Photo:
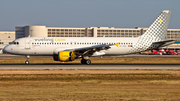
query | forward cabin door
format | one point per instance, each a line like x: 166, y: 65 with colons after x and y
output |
x: 27, y: 44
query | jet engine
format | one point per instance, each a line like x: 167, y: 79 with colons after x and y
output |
x: 65, y: 56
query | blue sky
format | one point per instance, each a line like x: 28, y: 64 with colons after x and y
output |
x: 86, y: 13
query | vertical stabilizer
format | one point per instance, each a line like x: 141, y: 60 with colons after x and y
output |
x: 155, y: 33
x: 158, y: 29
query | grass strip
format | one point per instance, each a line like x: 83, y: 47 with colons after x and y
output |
x: 91, y: 87
x: 84, y: 77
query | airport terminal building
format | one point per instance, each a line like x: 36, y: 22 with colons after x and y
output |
x: 43, y: 31
x: 5, y: 38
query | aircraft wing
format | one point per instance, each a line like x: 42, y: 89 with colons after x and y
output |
x: 163, y: 43
x: 88, y: 51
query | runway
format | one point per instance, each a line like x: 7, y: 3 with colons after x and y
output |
x: 93, y: 66
x: 90, y: 67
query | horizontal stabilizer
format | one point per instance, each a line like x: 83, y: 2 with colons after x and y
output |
x: 164, y: 43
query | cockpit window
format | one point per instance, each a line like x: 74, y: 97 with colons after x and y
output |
x: 10, y: 43
x: 15, y: 43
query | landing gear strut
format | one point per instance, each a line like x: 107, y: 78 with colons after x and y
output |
x: 85, y: 61
x: 27, y: 60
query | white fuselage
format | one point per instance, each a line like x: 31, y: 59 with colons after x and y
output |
x: 51, y: 45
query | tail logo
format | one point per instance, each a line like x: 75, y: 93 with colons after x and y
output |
x: 160, y: 21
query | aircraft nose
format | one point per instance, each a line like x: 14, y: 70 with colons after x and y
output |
x: 6, y: 49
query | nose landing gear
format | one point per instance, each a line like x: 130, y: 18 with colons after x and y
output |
x: 27, y: 60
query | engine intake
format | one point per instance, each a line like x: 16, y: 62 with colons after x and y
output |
x: 65, y: 56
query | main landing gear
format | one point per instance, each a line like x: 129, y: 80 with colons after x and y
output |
x: 27, y: 60
x: 85, y: 61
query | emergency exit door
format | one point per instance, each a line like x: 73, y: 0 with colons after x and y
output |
x: 27, y: 44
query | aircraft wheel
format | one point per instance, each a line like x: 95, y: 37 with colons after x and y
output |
x: 83, y: 61
x: 27, y: 62
x: 88, y: 62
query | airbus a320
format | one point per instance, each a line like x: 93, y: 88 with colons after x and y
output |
x: 66, y: 49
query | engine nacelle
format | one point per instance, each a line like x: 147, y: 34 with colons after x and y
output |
x: 65, y: 56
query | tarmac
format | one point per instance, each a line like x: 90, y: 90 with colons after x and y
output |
x: 90, y: 67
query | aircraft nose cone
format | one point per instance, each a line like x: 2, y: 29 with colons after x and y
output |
x: 5, y: 49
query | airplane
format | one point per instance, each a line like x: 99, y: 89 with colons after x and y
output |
x: 66, y: 49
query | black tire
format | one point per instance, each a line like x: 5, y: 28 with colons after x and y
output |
x: 83, y: 61
x: 26, y: 62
